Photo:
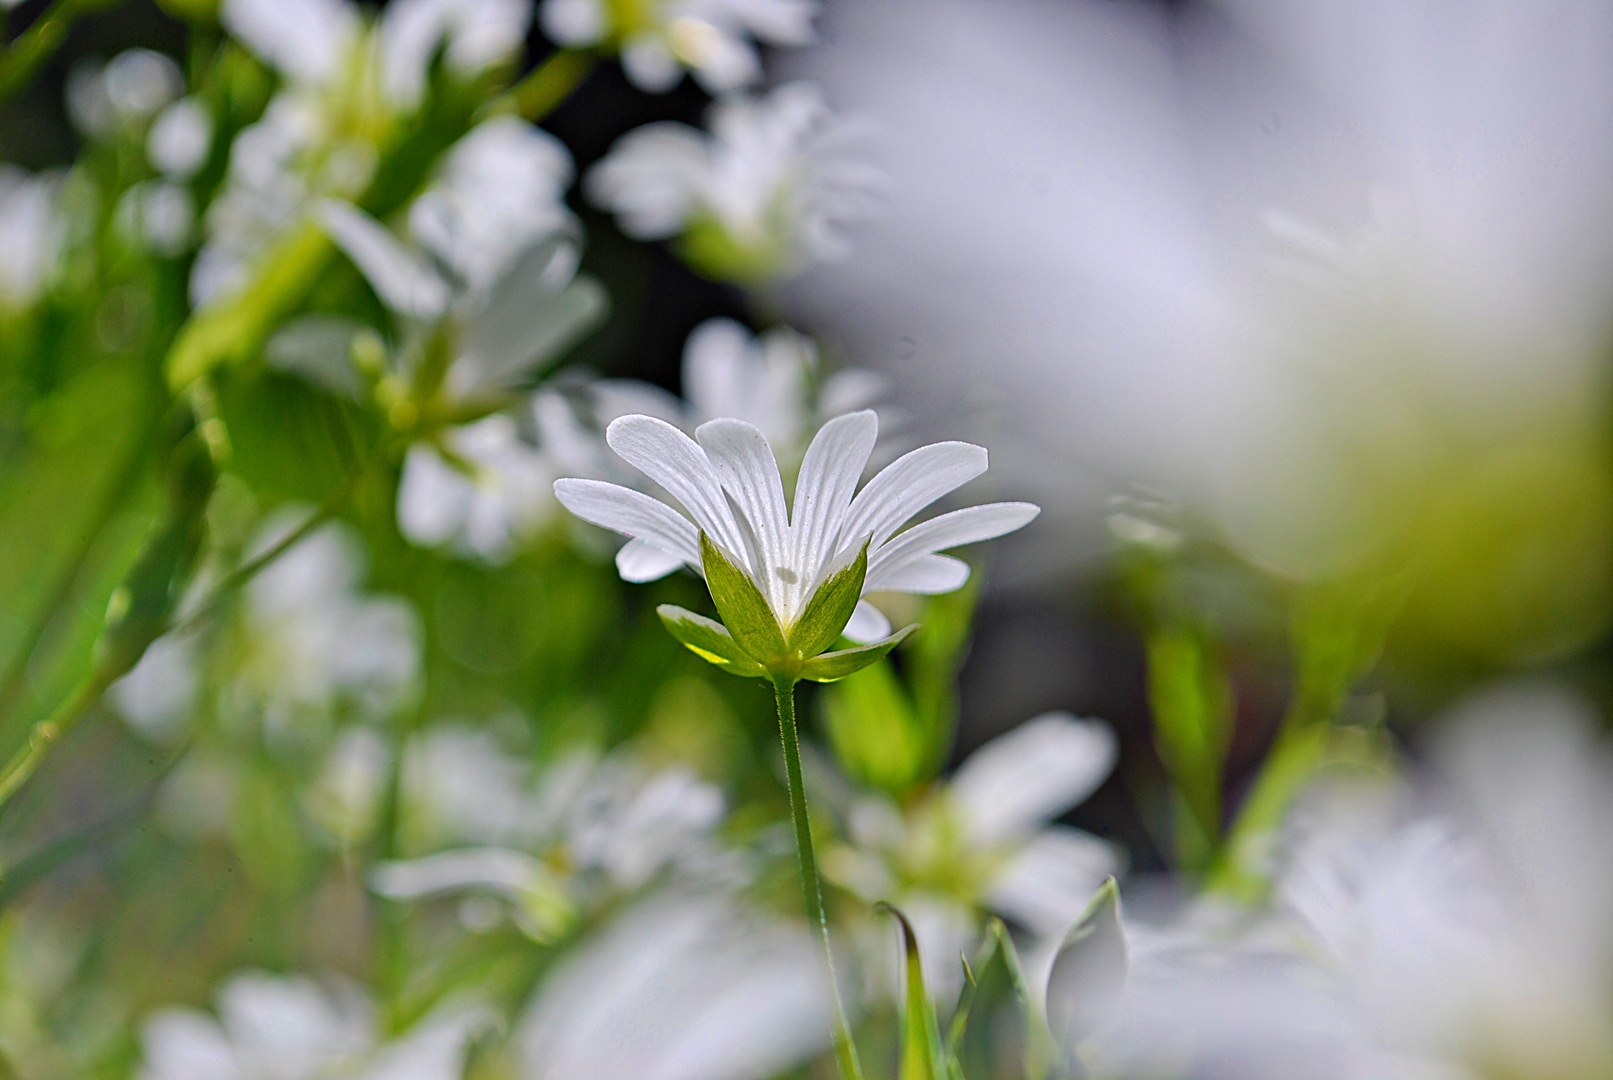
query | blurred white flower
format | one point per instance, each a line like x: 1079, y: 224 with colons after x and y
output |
x: 658, y: 39
x: 769, y: 190
x: 127, y: 90
x: 179, y: 140
x: 558, y: 844
x: 1459, y: 929
x: 497, y: 493
x: 31, y: 231
x: 345, y: 798
x: 307, y: 638
x: 349, y: 84
x: 982, y: 842
x: 681, y: 988
x: 159, y: 693
x: 729, y: 482
x: 494, y: 272
x: 272, y: 1027
x: 1316, y: 265
x: 158, y: 214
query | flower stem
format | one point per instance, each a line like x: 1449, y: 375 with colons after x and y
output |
x: 811, y: 888
x: 551, y: 82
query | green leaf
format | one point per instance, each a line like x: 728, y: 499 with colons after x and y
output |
x: 830, y: 608
x: 1192, y: 704
x: 996, y: 1033
x: 709, y: 640
x: 921, y: 1035
x: 871, y: 726
x: 740, y: 603
x: 1089, y: 972
x: 832, y: 666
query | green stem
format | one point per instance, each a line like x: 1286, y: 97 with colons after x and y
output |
x: 551, y: 82
x: 47, y: 732
x: 35, y: 45
x: 811, y: 887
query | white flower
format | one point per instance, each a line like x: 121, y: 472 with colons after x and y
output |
x: 681, y: 988
x: 981, y: 841
x: 158, y: 214
x: 485, y: 512
x: 180, y: 138
x: 291, y: 1028
x: 1458, y: 928
x: 127, y: 90
x: 659, y: 38
x: 729, y: 484
x: 563, y: 843
x: 30, y: 234
x: 348, y: 86
x: 768, y: 191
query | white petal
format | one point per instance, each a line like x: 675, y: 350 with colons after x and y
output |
x: 650, y: 65
x: 968, y: 526
x: 498, y: 869
x: 631, y: 513
x: 868, y: 624
x: 573, y: 22
x: 186, y: 1044
x: 673, y: 460
x: 639, y: 561
x: 1047, y: 885
x: 829, y: 473
x: 401, y: 279
x: 1034, y: 773
x: 909, y: 484
x: 926, y: 575
x: 305, y: 39
x: 433, y: 497
x: 742, y: 459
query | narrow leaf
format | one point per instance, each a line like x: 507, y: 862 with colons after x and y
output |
x: 830, y: 666
x: 740, y: 603
x: 830, y: 608
x: 709, y: 641
x: 1089, y: 972
x: 921, y: 1036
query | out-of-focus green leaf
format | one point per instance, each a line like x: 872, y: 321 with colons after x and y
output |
x: 740, y: 603
x: 1191, y: 700
x: 870, y: 723
x: 1089, y: 972
x: 829, y: 609
x: 921, y: 1037
x: 833, y: 666
x: 709, y: 641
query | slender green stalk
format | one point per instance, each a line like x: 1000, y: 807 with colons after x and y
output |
x: 35, y: 45
x: 22, y: 766
x: 811, y: 887
x: 551, y: 82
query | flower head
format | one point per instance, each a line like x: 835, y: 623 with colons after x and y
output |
x: 786, y: 579
x: 658, y: 39
x: 767, y: 192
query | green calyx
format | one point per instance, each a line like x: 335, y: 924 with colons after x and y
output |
x: 750, y: 640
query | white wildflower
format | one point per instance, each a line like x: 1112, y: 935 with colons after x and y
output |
x: 729, y: 484
x: 180, y: 138
x: 982, y: 842
x: 272, y: 1027
x: 31, y: 231
x: 657, y: 994
x: 127, y: 90
x: 771, y: 189
x: 659, y: 39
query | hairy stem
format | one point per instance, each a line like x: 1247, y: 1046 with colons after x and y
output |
x: 47, y: 732
x: 811, y: 887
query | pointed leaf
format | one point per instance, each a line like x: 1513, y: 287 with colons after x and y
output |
x: 996, y: 1032
x: 709, y: 641
x: 830, y: 666
x: 830, y: 608
x: 743, y: 609
x: 1089, y: 971
x: 921, y: 1035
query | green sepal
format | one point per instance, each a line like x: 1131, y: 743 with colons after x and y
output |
x: 921, y: 1035
x: 996, y: 1031
x: 830, y: 666
x: 1089, y: 972
x: 709, y: 640
x: 744, y: 610
x: 830, y: 608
